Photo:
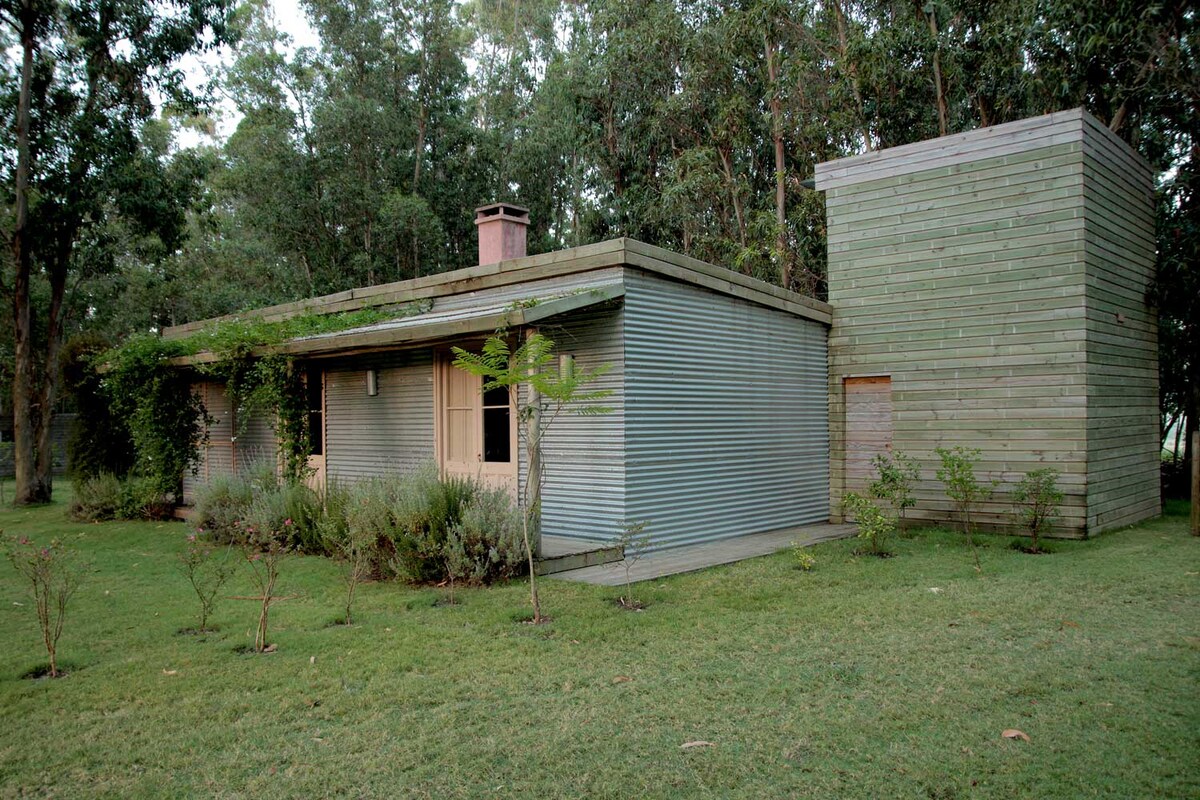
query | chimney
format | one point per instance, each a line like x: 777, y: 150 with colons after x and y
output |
x: 501, y: 232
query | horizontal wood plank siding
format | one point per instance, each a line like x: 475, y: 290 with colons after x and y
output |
x: 726, y: 429
x: 583, y: 497
x: 963, y: 279
x: 390, y: 432
x: 983, y: 272
x: 1122, y: 354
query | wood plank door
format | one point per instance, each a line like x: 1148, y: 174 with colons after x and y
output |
x: 868, y: 427
x: 477, y: 431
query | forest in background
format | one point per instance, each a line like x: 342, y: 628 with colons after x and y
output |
x: 689, y: 125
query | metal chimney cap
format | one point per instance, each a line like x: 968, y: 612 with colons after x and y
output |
x: 506, y: 211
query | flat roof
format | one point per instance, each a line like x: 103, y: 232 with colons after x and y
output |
x: 612, y: 253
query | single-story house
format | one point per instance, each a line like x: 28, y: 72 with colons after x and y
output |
x: 986, y: 289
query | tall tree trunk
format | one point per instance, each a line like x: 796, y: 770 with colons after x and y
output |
x: 727, y: 168
x: 785, y: 276
x: 943, y: 114
x: 28, y: 416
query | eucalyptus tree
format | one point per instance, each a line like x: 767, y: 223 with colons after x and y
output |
x: 80, y: 84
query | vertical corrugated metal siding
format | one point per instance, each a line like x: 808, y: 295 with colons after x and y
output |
x: 726, y: 414
x: 584, y: 494
x: 392, y: 431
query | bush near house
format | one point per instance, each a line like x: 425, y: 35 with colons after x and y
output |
x: 408, y: 522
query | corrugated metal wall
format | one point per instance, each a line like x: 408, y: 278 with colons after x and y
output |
x: 217, y: 457
x: 392, y: 431
x: 255, y: 443
x: 584, y: 493
x: 726, y: 414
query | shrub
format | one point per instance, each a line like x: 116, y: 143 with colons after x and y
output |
x: 897, y: 474
x: 221, y: 505
x: 426, y: 507
x: 206, y: 573
x: 366, y: 512
x: 53, y: 574
x: 1038, y: 498
x: 487, y: 538
x: 96, y: 499
x: 957, y: 472
x: 874, y: 526
x: 290, y: 510
x: 106, y: 497
x: 805, y: 561
x: 265, y: 550
x: 141, y: 498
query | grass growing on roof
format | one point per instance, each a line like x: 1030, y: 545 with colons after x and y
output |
x: 854, y: 680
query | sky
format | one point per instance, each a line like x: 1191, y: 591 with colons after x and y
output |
x: 292, y: 20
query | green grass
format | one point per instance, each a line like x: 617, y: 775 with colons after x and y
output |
x: 854, y: 680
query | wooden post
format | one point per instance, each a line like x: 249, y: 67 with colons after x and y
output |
x: 1195, y: 483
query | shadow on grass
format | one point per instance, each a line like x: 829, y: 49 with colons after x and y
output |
x: 42, y: 671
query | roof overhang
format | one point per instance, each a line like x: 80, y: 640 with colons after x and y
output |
x: 486, y: 315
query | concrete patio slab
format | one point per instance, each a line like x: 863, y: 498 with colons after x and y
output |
x: 710, y: 554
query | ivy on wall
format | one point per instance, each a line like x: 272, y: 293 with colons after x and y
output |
x: 167, y: 420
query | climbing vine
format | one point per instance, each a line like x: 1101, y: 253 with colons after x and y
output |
x: 168, y: 421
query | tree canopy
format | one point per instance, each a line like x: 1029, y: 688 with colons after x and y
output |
x: 690, y: 125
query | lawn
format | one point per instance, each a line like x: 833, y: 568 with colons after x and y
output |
x: 863, y: 678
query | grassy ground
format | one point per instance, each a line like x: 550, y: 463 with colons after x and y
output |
x: 855, y: 680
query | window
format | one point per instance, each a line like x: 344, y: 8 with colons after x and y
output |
x: 316, y: 421
x: 497, y: 428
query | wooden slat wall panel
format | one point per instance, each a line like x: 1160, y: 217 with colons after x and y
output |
x: 966, y: 284
x: 1123, y: 458
x: 869, y: 427
x: 984, y: 273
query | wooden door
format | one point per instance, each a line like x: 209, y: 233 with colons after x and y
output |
x: 477, y: 431
x: 868, y: 427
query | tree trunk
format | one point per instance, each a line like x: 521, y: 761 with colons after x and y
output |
x: 29, y: 418
x: 943, y: 114
x: 785, y: 275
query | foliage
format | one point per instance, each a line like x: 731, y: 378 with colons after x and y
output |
x: 1039, y: 500
x: 265, y: 550
x: 633, y: 540
x: 805, y: 560
x: 487, y: 539
x: 206, y: 572
x: 957, y: 473
x: 106, y: 497
x: 166, y: 420
x: 874, y: 525
x: 99, y: 441
x: 426, y: 507
x: 52, y: 574
x: 897, y: 474
x: 548, y: 392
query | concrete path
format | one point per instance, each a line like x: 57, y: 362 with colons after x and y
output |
x: 700, y: 556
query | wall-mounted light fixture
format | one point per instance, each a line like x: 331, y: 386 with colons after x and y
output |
x: 566, y: 366
x: 372, y: 383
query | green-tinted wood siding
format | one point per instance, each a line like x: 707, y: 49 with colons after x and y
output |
x: 1122, y: 342
x: 987, y: 286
